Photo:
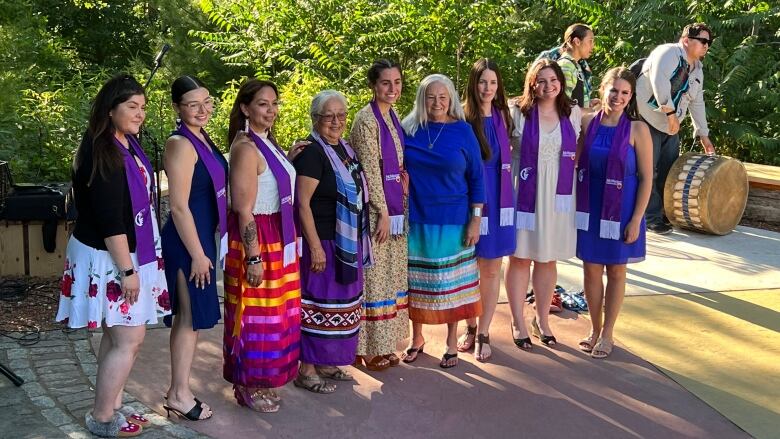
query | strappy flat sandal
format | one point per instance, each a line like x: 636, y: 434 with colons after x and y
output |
x: 587, y: 343
x: 260, y: 400
x: 314, y: 383
x: 479, y: 344
x: 336, y: 374
x: 446, y: 358
x: 466, y: 341
x: 547, y: 340
x: 602, y: 349
x: 117, y: 426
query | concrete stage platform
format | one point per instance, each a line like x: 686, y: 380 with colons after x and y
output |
x: 557, y: 392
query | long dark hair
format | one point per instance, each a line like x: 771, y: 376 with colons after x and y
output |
x: 245, y: 96
x: 378, y: 67
x: 472, y: 106
x: 106, y: 158
x: 528, y: 99
x: 576, y: 30
x: 625, y: 74
x: 182, y: 85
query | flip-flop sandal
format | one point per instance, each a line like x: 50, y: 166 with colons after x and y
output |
x: 447, y: 357
x: 408, y: 359
x: 482, y: 341
x: 466, y: 341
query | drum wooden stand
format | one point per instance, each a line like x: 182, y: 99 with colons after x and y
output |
x: 706, y: 193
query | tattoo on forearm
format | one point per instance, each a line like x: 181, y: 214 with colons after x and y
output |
x: 250, y: 235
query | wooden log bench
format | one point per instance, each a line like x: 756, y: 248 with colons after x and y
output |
x: 763, y: 202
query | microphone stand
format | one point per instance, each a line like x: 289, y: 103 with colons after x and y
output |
x: 145, y: 133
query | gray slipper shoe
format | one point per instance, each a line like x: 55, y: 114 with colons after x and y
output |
x: 112, y: 428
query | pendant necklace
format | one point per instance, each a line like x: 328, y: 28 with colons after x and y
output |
x: 430, y: 144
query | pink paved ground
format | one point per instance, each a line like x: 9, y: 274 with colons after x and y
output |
x: 557, y: 393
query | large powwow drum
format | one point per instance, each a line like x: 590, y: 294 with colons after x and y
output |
x: 706, y: 193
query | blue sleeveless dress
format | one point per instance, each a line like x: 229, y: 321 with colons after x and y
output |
x: 203, y: 205
x: 590, y: 247
x: 500, y: 241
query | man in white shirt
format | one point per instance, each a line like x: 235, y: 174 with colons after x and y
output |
x: 671, y: 83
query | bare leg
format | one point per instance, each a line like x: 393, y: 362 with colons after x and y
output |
x: 616, y: 290
x: 516, y: 281
x: 543, y: 278
x: 114, y: 367
x: 594, y: 294
x: 183, y: 343
x: 489, y: 287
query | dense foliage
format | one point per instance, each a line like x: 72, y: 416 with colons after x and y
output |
x: 59, y: 52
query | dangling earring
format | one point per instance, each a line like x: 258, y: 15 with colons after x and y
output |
x: 178, y: 119
x: 246, y: 125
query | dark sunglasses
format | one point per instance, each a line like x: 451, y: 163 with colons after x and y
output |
x: 703, y: 40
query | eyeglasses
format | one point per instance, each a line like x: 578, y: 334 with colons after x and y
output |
x: 207, y: 105
x: 330, y: 118
x: 702, y: 40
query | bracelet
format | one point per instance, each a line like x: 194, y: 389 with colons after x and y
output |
x: 253, y: 260
x: 476, y: 211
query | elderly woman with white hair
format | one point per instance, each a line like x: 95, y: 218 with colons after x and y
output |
x: 332, y: 194
x: 446, y: 194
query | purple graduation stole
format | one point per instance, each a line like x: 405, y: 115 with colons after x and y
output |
x: 218, y: 180
x: 141, y: 200
x: 609, y: 226
x: 391, y: 170
x: 529, y: 162
x: 505, y: 198
x: 273, y: 157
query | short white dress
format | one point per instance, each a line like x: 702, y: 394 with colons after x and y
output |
x: 555, y: 235
x: 91, y: 286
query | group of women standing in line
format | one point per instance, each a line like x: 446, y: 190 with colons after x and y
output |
x: 330, y: 249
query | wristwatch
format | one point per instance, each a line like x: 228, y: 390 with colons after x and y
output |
x: 129, y: 272
x: 669, y: 113
x: 476, y: 211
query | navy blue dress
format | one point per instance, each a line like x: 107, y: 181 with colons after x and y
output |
x: 203, y: 205
x: 590, y: 247
x: 500, y: 241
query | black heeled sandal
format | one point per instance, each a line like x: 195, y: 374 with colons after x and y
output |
x: 547, y: 340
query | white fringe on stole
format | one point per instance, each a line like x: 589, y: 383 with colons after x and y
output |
x: 397, y: 225
x: 609, y: 229
x: 582, y: 219
x: 525, y: 221
x: 507, y: 216
x: 223, y: 247
x: 299, y: 243
x: 289, y: 253
x: 483, y: 226
x: 563, y: 203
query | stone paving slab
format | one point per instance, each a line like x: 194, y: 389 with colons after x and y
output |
x: 59, y: 372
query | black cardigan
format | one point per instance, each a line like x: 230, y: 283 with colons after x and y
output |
x: 104, y: 207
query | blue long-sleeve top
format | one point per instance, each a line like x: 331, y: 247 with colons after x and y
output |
x: 446, y: 178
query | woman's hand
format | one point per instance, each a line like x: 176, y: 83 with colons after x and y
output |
x: 254, y: 274
x: 296, y: 149
x: 130, y: 288
x: 317, y: 259
x: 200, y: 271
x: 632, y: 231
x: 472, y: 231
x: 405, y: 182
x: 382, y: 228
